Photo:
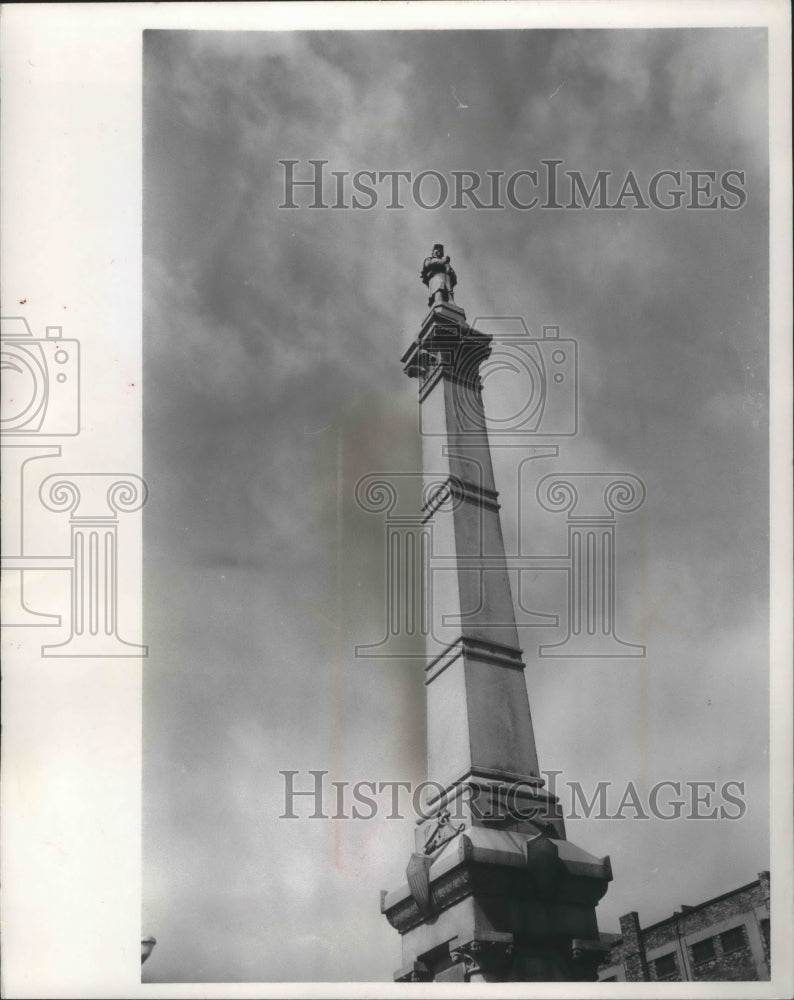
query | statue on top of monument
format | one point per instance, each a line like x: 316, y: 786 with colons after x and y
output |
x: 438, y: 275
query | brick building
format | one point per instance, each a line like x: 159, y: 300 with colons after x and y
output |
x: 722, y: 939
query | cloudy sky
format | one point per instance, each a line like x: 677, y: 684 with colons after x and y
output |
x: 272, y: 341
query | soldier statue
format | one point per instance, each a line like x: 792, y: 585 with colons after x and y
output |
x: 438, y: 275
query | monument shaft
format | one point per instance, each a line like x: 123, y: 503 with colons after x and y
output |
x: 474, y: 659
x: 494, y: 891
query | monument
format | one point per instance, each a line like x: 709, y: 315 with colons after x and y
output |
x: 493, y: 891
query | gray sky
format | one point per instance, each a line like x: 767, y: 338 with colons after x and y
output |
x: 272, y: 341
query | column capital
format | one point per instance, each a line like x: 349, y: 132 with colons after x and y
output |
x: 446, y: 346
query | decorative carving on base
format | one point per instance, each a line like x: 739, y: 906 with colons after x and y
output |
x: 484, y: 957
x: 443, y: 831
x: 418, y: 875
x: 447, y: 890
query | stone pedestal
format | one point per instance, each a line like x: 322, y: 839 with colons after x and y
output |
x: 494, y: 891
x: 504, y: 905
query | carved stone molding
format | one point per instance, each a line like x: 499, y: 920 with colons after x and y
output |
x: 453, y: 886
x: 447, y: 347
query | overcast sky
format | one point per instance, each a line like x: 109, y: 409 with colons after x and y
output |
x: 272, y: 341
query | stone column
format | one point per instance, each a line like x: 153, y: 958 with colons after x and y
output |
x: 479, y: 721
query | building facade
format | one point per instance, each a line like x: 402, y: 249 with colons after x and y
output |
x: 721, y: 940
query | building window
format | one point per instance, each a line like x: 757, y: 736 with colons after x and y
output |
x: 666, y: 966
x: 703, y: 951
x: 733, y: 939
x: 765, y: 930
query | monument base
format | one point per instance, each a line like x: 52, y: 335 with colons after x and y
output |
x: 500, y: 906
